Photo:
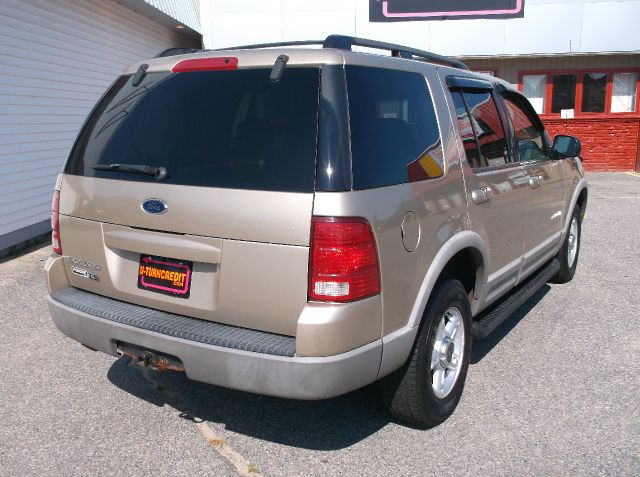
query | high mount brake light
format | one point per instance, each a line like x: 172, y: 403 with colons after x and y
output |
x: 343, y: 263
x: 55, y: 223
x: 206, y: 64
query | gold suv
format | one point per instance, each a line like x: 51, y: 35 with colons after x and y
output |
x: 300, y: 221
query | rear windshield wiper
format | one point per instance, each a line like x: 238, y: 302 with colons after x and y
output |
x: 158, y: 172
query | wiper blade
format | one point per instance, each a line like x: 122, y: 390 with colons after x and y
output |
x: 159, y: 173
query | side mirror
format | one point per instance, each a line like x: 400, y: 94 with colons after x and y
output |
x: 566, y: 146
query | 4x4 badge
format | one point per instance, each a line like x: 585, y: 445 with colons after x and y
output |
x: 154, y: 206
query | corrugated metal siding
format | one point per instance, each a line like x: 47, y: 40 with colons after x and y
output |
x: 509, y: 68
x: 56, y: 59
x: 186, y: 12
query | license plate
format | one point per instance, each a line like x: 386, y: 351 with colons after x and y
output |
x: 168, y: 276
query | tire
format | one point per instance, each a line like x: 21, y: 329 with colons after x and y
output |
x: 568, y: 254
x: 409, y: 393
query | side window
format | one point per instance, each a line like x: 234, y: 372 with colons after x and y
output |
x: 530, y: 138
x: 483, y: 121
x: 394, y: 131
x: 466, y: 131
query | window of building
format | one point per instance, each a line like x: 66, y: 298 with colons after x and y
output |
x: 563, y: 93
x: 624, y: 92
x: 594, y: 92
x: 534, y: 87
x: 585, y: 92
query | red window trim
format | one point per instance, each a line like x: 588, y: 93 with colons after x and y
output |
x: 578, y: 99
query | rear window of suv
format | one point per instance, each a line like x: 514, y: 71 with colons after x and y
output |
x: 228, y: 129
x: 394, y: 131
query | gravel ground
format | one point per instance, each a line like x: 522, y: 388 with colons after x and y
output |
x: 554, y: 390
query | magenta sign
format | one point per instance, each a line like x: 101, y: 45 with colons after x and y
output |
x: 411, y: 10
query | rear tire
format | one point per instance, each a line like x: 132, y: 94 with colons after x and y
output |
x: 568, y: 254
x: 427, y: 389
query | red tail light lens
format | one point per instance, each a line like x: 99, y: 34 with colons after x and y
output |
x: 55, y: 223
x: 206, y: 64
x: 343, y: 265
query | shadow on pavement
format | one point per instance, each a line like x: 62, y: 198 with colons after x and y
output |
x: 25, y: 248
x: 319, y: 425
x: 483, y: 347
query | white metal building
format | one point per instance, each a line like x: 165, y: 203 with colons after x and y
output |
x: 57, y: 57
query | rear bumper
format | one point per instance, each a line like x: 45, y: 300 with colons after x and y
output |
x: 289, y: 377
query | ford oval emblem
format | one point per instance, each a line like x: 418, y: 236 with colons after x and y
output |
x: 154, y: 206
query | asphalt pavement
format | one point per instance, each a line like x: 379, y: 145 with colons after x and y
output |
x: 554, y: 391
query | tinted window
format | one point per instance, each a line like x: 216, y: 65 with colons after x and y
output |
x: 486, y: 123
x: 466, y: 131
x: 230, y: 129
x: 594, y: 92
x: 530, y: 138
x: 564, y: 92
x: 394, y: 132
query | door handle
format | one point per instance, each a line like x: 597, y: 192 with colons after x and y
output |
x: 535, y: 181
x: 481, y: 195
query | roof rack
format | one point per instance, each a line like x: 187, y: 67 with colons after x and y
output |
x: 346, y: 42
x: 343, y: 42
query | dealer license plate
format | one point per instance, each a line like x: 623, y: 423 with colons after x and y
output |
x: 168, y: 276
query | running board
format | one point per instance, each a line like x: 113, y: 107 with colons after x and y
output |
x: 492, y: 318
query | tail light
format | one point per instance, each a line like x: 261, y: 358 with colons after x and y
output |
x: 343, y: 265
x: 55, y: 223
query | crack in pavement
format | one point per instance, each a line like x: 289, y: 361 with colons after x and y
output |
x: 242, y: 465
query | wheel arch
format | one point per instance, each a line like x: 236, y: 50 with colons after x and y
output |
x: 462, y: 250
x: 582, y: 202
x: 578, y: 199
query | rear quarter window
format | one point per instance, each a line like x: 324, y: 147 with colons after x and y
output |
x: 227, y: 129
x: 394, y: 131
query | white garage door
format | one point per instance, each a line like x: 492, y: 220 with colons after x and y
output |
x: 57, y: 57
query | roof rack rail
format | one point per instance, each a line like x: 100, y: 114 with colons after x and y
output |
x: 343, y: 42
x: 176, y: 51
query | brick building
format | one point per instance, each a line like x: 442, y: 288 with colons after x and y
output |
x: 597, y: 92
x: 578, y: 61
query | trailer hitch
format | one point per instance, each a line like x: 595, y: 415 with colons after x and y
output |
x: 152, y: 359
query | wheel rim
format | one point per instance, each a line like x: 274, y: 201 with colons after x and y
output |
x: 572, y: 249
x: 448, y: 352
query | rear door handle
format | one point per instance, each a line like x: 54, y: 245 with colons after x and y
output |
x: 535, y: 181
x: 481, y: 195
